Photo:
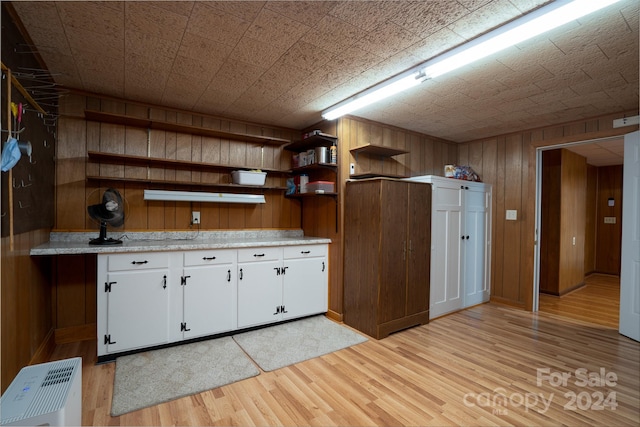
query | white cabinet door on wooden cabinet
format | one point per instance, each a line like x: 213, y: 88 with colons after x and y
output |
x: 477, y: 244
x: 208, y: 285
x: 446, y: 245
x: 259, y: 286
x: 305, y: 281
x: 133, y: 303
x: 461, y: 244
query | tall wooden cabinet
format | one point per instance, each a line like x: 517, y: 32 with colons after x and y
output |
x: 387, y: 241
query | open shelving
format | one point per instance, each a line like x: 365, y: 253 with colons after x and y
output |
x: 132, y: 160
x: 120, y: 119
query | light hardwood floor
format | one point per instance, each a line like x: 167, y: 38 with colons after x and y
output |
x: 598, y: 301
x: 476, y: 367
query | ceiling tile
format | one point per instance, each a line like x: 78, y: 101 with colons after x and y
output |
x: 305, y: 12
x: 149, y: 18
x: 333, y: 34
x: 280, y: 31
x: 214, y: 24
x: 428, y: 17
x: 98, y: 17
x: 256, y: 52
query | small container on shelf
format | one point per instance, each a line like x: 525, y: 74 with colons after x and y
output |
x: 321, y: 187
x: 248, y: 177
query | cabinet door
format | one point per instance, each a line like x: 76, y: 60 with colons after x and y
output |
x: 446, y: 293
x: 476, y: 287
x: 305, y: 287
x: 209, y: 298
x: 137, y: 309
x: 393, y: 251
x: 259, y: 293
x: 419, y: 248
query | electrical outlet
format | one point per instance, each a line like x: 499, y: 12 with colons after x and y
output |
x: 195, y: 217
x: 352, y: 168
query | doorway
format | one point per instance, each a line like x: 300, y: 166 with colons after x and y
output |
x: 598, y: 301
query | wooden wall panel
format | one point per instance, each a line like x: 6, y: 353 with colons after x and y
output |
x: 609, y: 236
x: 78, y: 136
x: 572, y: 221
x: 590, y: 220
x: 519, y: 290
x: 26, y: 307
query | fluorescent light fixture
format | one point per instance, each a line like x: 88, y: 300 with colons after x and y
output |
x: 626, y: 121
x: 198, y: 196
x: 375, y: 94
x: 524, y: 28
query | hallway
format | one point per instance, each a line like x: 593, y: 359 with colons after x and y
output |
x: 596, y: 302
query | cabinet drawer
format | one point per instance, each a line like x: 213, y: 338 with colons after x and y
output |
x: 209, y: 257
x: 137, y: 261
x: 305, y: 251
x: 259, y: 254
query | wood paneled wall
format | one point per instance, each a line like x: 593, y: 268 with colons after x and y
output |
x: 591, y: 221
x: 77, y: 136
x: 27, y: 323
x: 572, y: 221
x: 609, y: 236
x: 508, y: 162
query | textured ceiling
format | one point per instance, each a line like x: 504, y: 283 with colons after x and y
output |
x: 282, y: 62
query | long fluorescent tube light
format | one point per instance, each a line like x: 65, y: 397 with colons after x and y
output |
x: 524, y: 28
x: 198, y: 196
x: 377, y: 93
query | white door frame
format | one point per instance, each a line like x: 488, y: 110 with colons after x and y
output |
x: 538, y: 213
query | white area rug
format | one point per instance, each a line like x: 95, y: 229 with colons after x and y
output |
x: 281, y: 345
x: 153, y: 377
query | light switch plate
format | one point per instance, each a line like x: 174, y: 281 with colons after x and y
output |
x: 512, y: 215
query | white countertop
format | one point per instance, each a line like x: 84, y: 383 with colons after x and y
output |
x: 76, y: 243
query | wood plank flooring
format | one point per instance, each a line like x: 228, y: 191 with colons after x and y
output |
x: 598, y: 301
x: 476, y: 367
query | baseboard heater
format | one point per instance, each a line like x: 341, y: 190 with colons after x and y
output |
x: 45, y: 394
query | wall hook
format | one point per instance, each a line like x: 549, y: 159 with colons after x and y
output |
x: 23, y: 207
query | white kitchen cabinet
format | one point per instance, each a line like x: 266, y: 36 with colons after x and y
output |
x: 148, y: 299
x: 208, y: 292
x: 281, y: 283
x: 305, y: 281
x: 133, y: 301
x: 259, y: 286
x: 461, y: 244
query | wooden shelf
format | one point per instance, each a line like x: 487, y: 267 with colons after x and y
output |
x: 317, y: 140
x: 302, y: 195
x: 99, y: 116
x: 378, y: 150
x: 184, y: 183
x: 367, y: 175
x: 314, y: 166
x: 168, y: 163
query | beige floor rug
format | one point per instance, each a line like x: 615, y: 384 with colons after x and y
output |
x: 281, y: 345
x: 153, y: 377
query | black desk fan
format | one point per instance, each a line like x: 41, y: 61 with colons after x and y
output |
x: 110, y: 211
